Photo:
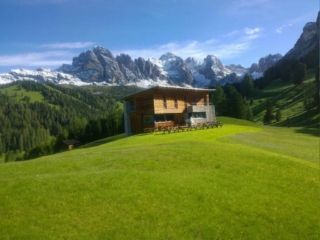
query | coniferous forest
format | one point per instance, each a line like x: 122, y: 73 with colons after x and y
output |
x: 32, y: 127
x: 235, y: 100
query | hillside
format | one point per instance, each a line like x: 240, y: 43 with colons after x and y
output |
x: 289, y: 99
x: 242, y: 181
x: 36, y: 118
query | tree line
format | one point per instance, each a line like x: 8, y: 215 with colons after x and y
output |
x: 231, y: 99
x: 31, y: 129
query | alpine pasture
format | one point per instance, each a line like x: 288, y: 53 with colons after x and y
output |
x: 241, y: 181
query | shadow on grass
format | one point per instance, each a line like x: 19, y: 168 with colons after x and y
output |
x: 103, y: 141
x: 307, y: 119
x: 310, y: 131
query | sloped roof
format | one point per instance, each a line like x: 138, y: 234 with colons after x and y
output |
x: 170, y: 88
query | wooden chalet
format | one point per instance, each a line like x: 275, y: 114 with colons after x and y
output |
x: 167, y: 106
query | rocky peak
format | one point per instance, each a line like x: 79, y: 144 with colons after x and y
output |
x: 237, y: 69
x: 95, y: 65
x: 84, y: 58
x: 253, y: 68
x: 176, y: 69
x: 305, y: 43
x: 213, y: 61
x: 268, y: 61
x: 169, y: 60
x: 141, y: 63
x: 126, y: 60
x: 213, y: 70
x: 168, y: 56
x: 98, y: 50
x: 192, y: 64
x: 234, y: 66
x: 192, y: 61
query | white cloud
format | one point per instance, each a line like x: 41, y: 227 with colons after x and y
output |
x: 230, y: 49
x: 232, y: 34
x: 43, y: 59
x: 61, y: 53
x: 280, y: 29
x: 69, y: 45
x: 198, y: 49
x: 250, y: 31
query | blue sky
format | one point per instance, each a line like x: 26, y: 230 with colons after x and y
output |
x: 47, y: 33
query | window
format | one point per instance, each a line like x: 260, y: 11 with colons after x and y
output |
x: 131, y: 103
x: 169, y: 117
x: 205, y: 100
x: 164, y: 102
x: 194, y: 100
x: 197, y: 115
x: 175, y: 102
x: 164, y: 117
x: 160, y: 118
x: 185, y: 102
x: 147, y: 118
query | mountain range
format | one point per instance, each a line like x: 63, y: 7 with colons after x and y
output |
x: 100, y: 67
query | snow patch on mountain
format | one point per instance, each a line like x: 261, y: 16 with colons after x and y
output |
x: 256, y: 75
x: 147, y: 83
x: 40, y: 75
x: 237, y: 69
x: 159, y: 64
x: 193, y: 64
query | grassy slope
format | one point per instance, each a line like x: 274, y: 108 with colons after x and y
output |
x: 289, y: 100
x: 232, y: 182
x: 16, y: 94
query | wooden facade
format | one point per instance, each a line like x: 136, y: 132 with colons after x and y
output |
x: 161, y: 106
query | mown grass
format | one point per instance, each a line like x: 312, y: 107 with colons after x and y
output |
x: 241, y: 181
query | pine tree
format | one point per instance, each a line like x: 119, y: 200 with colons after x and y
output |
x: 14, y: 143
x: 1, y: 147
x: 299, y: 73
x: 246, y: 85
x: 308, y: 94
x: 21, y: 146
x: 249, y: 115
x: 219, y: 100
x: 88, y: 133
x: 286, y: 73
x: 238, y: 106
x: 268, y: 115
x: 278, y: 115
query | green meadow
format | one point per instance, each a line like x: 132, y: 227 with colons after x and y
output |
x: 241, y: 181
x: 19, y: 94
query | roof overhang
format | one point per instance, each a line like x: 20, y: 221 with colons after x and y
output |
x: 170, y: 88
